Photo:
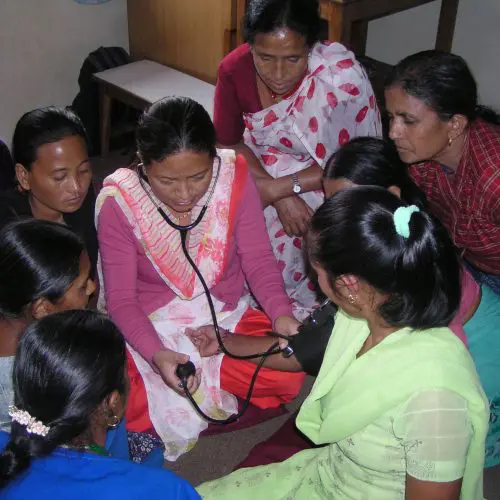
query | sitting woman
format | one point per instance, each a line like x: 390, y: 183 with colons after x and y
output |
x: 53, y: 174
x: 151, y: 289
x: 70, y: 387
x: 397, y: 402
x: 370, y: 161
x: 286, y: 102
x: 453, y: 148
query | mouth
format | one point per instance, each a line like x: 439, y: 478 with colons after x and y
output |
x: 75, y: 201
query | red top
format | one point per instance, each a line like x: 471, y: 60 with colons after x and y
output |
x: 468, y: 201
x: 235, y: 93
x: 134, y: 289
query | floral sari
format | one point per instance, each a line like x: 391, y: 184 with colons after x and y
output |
x: 334, y: 103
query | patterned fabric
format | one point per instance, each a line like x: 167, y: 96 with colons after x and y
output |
x: 334, y: 103
x: 363, y: 410
x: 468, y: 201
x: 142, y: 445
x: 173, y: 418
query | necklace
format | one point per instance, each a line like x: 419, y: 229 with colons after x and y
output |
x: 281, y: 97
x: 183, y: 216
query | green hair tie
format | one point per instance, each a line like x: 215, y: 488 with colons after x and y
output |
x: 402, y: 218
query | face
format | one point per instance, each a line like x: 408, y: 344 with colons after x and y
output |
x: 78, y: 293
x: 60, y: 177
x: 417, y: 131
x: 280, y: 59
x: 333, y: 186
x: 181, y: 180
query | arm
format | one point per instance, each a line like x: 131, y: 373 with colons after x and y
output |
x: 257, y: 258
x: 435, y: 434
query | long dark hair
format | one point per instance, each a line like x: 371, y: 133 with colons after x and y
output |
x: 267, y: 16
x: 37, y: 259
x: 43, y: 126
x: 444, y: 82
x: 353, y: 233
x: 172, y: 125
x: 369, y: 161
x: 66, y: 365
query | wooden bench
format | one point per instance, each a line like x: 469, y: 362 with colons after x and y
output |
x: 141, y: 83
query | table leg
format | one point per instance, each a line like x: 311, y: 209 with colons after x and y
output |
x: 446, y: 26
x: 105, y: 120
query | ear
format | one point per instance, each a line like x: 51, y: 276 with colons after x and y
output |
x: 395, y: 190
x: 22, y: 176
x: 115, y: 405
x: 349, y: 283
x: 458, y: 124
x: 41, y: 308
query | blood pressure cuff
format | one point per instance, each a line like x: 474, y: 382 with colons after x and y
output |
x: 309, y: 345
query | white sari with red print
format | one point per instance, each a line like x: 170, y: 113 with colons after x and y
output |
x: 334, y: 103
x: 173, y: 417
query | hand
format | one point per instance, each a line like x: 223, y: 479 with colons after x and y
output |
x: 166, y: 361
x: 295, y: 215
x: 205, y: 340
x: 286, y: 325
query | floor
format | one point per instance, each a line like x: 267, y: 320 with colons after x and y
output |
x: 216, y: 456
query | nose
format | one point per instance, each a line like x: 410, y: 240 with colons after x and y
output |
x: 90, y: 287
x: 183, y: 191
x: 279, y: 71
x: 394, y: 130
x: 75, y: 185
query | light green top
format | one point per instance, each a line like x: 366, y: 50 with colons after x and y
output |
x: 412, y: 405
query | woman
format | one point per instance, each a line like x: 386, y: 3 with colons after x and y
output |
x: 286, y: 102
x: 70, y: 387
x: 151, y: 290
x: 452, y: 147
x: 397, y: 402
x: 53, y: 173
x: 44, y: 268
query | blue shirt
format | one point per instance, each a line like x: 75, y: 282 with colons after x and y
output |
x: 79, y: 475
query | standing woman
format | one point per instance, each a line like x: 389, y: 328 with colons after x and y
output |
x: 287, y: 101
x: 53, y: 173
x: 453, y: 148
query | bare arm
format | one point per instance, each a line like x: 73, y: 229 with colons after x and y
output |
x: 416, y: 489
x: 272, y: 190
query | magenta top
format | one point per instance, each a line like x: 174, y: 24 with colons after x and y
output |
x: 134, y: 289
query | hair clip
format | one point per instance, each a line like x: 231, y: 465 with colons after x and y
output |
x: 33, y: 426
x: 402, y: 218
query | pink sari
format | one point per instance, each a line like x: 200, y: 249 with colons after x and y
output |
x: 334, y: 103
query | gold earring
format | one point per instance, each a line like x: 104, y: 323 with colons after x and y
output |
x: 351, y: 299
x: 114, y: 422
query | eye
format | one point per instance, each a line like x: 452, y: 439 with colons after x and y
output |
x: 199, y: 177
x: 408, y: 121
x: 294, y: 59
x: 60, y: 177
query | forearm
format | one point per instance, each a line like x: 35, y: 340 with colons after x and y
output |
x: 243, y: 345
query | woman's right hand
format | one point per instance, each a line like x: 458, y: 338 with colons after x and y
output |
x: 295, y: 215
x: 166, y: 362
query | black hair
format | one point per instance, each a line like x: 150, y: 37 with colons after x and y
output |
x: 172, y: 125
x: 444, y: 82
x: 267, y: 16
x: 66, y: 365
x: 353, y: 233
x: 43, y: 126
x: 37, y: 259
x: 370, y: 161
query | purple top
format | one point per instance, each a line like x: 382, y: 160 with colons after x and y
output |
x: 134, y: 289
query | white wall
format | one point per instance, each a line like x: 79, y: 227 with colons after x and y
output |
x: 42, y: 46
x: 477, y: 39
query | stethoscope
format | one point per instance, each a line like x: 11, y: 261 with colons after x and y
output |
x: 185, y: 370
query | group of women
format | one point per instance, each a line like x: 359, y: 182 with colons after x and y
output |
x: 407, y: 245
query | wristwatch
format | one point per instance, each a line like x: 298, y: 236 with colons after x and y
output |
x: 297, y: 188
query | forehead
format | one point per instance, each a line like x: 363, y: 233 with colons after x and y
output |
x: 68, y: 152
x: 399, y: 102
x: 181, y: 165
x: 280, y: 42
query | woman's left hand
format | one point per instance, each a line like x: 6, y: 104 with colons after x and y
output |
x: 205, y: 340
x: 286, y: 325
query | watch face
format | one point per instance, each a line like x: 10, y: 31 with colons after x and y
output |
x: 296, y: 189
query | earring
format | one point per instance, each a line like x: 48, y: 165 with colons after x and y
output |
x: 450, y: 140
x: 113, y: 422
x: 351, y: 299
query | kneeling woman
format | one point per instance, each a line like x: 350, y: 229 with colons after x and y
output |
x: 397, y: 400
x: 70, y: 386
x: 152, y: 291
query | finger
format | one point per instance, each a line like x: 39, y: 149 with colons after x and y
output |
x: 288, y: 230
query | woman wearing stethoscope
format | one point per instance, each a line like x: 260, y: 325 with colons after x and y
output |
x: 187, y: 196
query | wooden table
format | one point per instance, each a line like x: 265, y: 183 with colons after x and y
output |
x: 141, y: 83
x: 348, y: 19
